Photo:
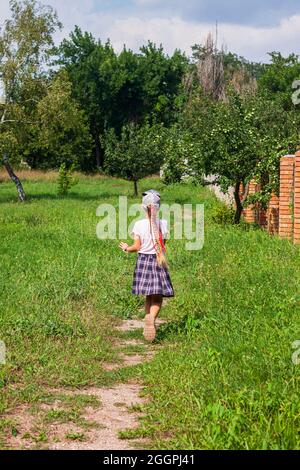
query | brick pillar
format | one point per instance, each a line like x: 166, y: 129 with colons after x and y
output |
x: 286, y: 197
x: 262, y: 218
x: 250, y: 210
x: 297, y: 200
x: 273, y: 215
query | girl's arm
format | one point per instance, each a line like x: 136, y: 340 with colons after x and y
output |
x: 133, y: 248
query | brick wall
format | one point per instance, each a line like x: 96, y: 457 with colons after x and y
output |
x: 250, y: 212
x: 283, y: 214
x: 273, y: 215
x: 297, y: 199
x: 286, y: 196
x: 254, y: 212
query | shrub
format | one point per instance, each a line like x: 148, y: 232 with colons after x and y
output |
x: 65, y: 179
x: 223, y: 215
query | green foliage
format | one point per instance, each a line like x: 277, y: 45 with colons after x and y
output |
x: 161, y: 79
x: 180, y: 151
x: 65, y: 116
x: 65, y: 179
x: 224, y: 134
x: 92, y: 69
x: 231, y: 142
x: 226, y: 377
x: 41, y: 123
x: 137, y: 153
x: 240, y: 138
x: 8, y: 142
x: 276, y: 120
x: 223, y: 215
x: 25, y: 45
x: 276, y: 82
x: 115, y: 90
x: 62, y: 135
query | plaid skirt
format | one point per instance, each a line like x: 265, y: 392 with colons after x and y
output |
x: 149, y: 278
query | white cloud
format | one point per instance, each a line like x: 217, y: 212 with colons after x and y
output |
x: 173, y: 32
x: 253, y: 43
x: 147, y: 2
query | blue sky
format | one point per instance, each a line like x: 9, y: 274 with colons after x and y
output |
x: 250, y: 28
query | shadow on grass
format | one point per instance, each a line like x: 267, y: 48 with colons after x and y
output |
x: 184, y: 325
x: 55, y: 197
x: 72, y: 196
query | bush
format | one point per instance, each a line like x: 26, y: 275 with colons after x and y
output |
x: 65, y: 179
x: 223, y: 215
x: 135, y: 154
x: 180, y: 151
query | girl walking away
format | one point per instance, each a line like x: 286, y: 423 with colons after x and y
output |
x: 151, y: 277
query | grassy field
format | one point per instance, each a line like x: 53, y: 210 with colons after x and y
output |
x: 224, y: 377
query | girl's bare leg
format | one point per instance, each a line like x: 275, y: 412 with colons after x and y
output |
x: 154, y: 302
x: 147, y: 304
x: 156, y: 305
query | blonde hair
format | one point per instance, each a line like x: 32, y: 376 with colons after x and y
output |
x: 157, y: 236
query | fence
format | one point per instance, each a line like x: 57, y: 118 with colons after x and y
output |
x: 282, y: 216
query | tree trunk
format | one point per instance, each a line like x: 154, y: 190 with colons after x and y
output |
x: 135, y: 187
x: 245, y: 195
x: 98, y: 157
x: 238, y: 203
x: 14, y: 178
x: 99, y: 153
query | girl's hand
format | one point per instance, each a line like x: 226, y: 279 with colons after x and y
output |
x: 123, y: 246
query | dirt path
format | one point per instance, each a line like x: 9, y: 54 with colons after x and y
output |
x: 108, y: 410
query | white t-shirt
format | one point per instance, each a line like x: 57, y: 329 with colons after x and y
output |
x: 142, y: 229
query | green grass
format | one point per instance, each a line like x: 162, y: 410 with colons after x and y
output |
x: 224, y: 377
x: 74, y: 436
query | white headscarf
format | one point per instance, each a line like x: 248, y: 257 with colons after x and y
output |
x: 151, y: 197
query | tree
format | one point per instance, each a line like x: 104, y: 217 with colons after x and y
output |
x: 276, y: 83
x: 92, y: 70
x: 228, y: 143
x: 61, y: 131
x: 115, y: 90
x: 231, y: 62
x: 135, y: 154
x: 129, y: 102
x: 25, y: 45
x: 162, y: 83
x: 180, y: 151
x: 277, y: 133
x: 214, y: 70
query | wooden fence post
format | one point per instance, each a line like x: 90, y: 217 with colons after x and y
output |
x: 286, y: 196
